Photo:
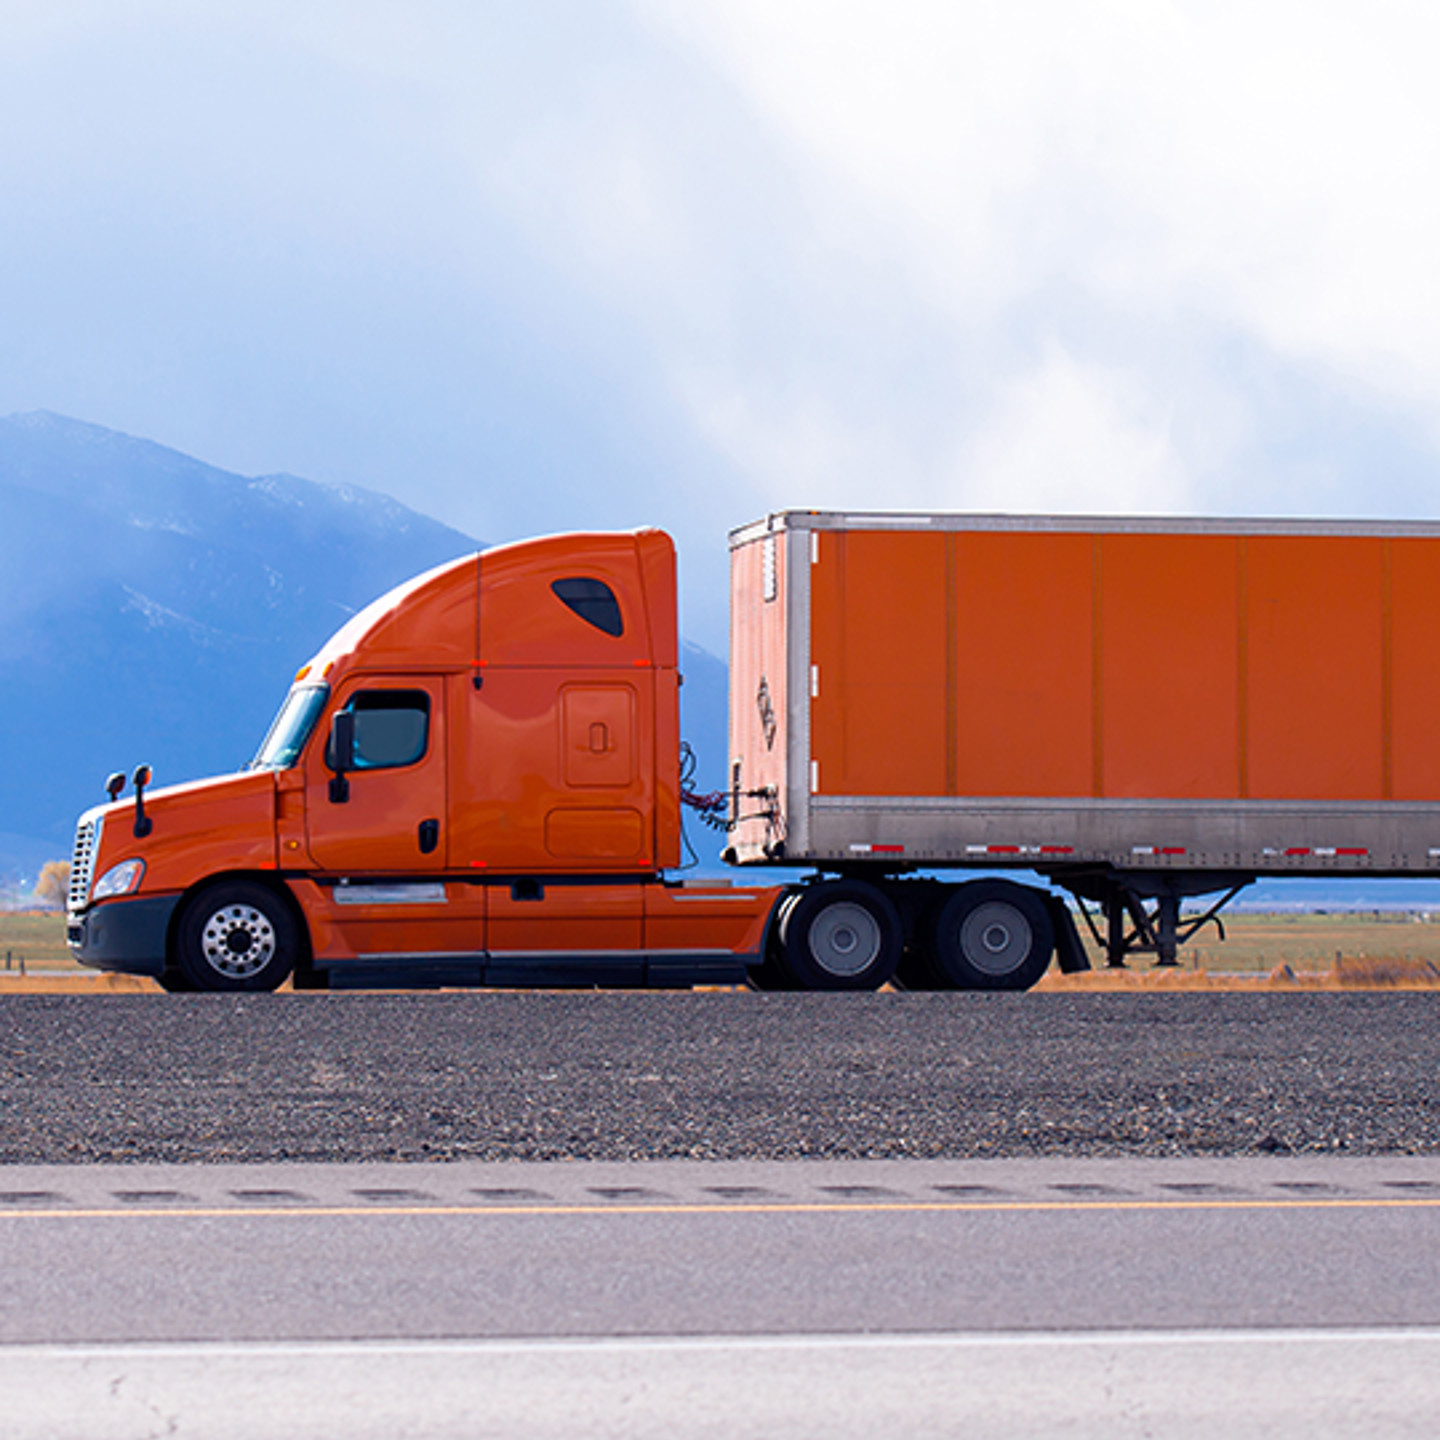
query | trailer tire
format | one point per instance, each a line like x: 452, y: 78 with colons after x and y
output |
x: 992, y: 935
x: 236, y: 936
x: 841, y: 935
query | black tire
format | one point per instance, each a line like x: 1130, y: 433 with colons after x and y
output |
x: 236, y: 936
x: 174, y: 983
x: 840, y: 935
x: 772, y: 973
x: 991, y: 935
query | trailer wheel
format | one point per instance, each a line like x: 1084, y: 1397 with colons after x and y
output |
x: 236, y: 936
x: 841, y: 935
x: 992, y: 935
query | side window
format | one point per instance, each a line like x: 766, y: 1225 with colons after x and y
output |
x: 392, y: 728
x: 593, y: 601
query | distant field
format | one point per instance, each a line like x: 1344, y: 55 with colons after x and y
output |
x: 1254, y: 944
x: 1258, y: 943
x: 38, y: 939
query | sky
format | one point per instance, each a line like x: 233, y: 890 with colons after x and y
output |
x: 567, y: 264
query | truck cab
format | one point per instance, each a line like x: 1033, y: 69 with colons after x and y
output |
x: 475, y: 781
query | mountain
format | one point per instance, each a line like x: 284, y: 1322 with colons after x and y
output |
x: 154, y: 608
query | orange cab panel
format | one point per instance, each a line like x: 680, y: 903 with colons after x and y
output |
x: 390, y: 814
x: 554, y: 917
x: 695, y: 917
x: 551, y: 776
x: 378, y: 920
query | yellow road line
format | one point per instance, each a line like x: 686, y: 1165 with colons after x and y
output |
x: 302, y: 1211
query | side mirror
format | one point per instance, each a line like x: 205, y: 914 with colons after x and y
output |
x: 114, y: 785
x: 143, y: 823
x: 342, y: 754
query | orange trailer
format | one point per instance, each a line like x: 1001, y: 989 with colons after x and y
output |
x: 1140, y: 710
x: 477, y: 780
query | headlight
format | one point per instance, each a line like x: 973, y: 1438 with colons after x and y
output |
x: 119, y: 879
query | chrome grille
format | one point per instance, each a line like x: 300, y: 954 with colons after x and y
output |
x: 82, y: 862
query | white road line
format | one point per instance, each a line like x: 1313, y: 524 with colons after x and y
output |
x: 594, y: 1344
x: 1179, y: 1384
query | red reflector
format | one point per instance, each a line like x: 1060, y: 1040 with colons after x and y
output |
x: 1298, y: 850
x: 1343, y: 850
x: 1004, y: 849
x: 887, y: 849
x: 1057, y: 849
x: 478, y: 864
x: 1171, y: 850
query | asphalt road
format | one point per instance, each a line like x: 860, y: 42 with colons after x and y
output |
x: 733, y: 1076
x: 1259, y: 1257
x: 1276, y: 1296
x: 110, y: 1253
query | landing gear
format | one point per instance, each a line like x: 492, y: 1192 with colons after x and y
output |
x: 1159, y: 930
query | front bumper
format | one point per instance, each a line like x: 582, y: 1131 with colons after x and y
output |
x: 126, y: 935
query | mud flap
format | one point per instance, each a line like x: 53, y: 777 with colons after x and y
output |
x: 1069, y: 948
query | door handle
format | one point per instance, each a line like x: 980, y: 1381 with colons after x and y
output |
x: 429, y: 836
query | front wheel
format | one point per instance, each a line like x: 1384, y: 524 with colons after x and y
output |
x: 992, y: 935
x: 237, y: 936
x: 840, y: 935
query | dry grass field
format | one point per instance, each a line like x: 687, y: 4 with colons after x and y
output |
x: 1256, y: 944
x: 36, y: 938
x: 1306, y: 951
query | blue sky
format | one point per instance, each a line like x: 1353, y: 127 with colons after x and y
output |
x: 550, y: 265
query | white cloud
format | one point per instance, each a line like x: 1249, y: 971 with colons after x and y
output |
x: 685, y: 260
x: 1212, y: 170
x: 1065, y: 437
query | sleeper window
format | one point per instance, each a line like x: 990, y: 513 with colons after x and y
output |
x: 593, y: 601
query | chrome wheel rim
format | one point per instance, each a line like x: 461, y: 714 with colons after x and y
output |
x: 238, y: 941
x: 845, y: 939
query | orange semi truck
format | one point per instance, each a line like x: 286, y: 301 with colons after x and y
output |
x: 477, y: 781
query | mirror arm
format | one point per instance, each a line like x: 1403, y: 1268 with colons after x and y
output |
x: 143, y: 823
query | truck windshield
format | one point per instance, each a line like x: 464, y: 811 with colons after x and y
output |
x: 291, y: 728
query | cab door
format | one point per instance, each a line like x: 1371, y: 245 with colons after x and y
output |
x: 392, y: 820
